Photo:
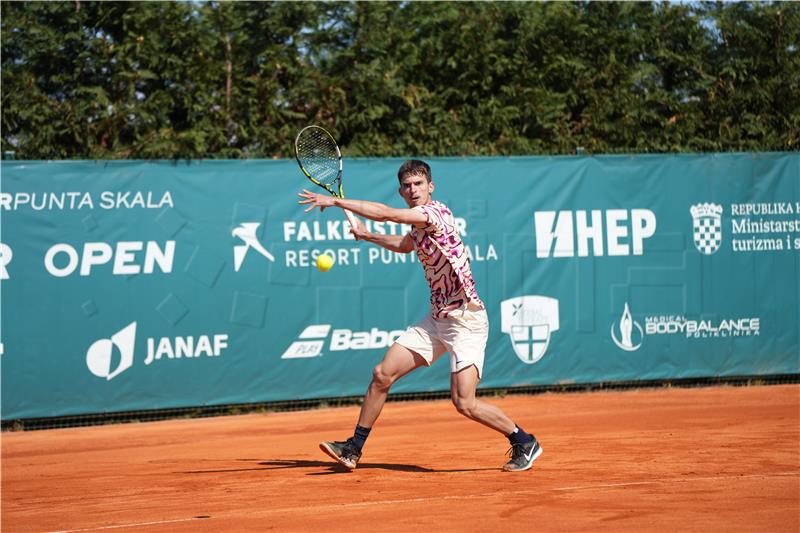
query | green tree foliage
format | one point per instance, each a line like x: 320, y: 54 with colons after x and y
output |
x: 116, y: 80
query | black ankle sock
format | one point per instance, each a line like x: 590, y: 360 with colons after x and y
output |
x: 518, y: 436
x: 360, y: 436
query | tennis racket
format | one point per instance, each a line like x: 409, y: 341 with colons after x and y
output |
x: 320, y: 160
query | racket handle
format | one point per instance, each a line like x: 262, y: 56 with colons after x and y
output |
x: 351, y: 218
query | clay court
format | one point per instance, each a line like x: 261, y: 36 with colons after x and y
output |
x: 650, y: 460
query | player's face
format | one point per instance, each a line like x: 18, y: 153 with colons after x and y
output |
x: 416, y: 190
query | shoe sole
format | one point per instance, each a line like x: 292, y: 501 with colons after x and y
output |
x: 325, y: 448
x: 535, y: 456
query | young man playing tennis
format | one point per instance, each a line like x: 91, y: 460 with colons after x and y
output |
x: 457, y: 322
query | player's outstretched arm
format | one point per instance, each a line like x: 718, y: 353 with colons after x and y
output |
x: 372, y: 210
x: 395, y: 243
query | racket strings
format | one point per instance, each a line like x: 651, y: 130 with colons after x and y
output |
x: 318, y: 155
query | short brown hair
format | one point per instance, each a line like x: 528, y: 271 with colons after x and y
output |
x: 414, y: 167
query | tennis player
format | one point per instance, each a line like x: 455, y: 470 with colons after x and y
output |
x: 457, y: 322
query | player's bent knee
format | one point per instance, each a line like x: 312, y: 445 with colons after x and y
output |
x: 381, y: 379
x: 465, y: 406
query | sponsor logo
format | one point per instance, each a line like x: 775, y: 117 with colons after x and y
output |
x: 311, y: 341
x: 613, y: 232
x: 332, y: 230
x: 629, y: 335
x: 702, y: 329
x: 706, y: 227
x: 126, y: 257
x: 529, y: 322
x: 627, y: 327
x: 76, y: 200
x: 101, y: 355
x: 754, y: 227
x: 765, y: 227
x: 529, y: 455
x: 247, y: 233
x: 185, y: 347
x: 5, y: 258
x: 765, y: 209
x: 332, y: 236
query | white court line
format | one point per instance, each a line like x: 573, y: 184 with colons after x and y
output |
x: 539, y: 490
x: 118, y: 526
x: 676, y: 480
x: 457, y: 497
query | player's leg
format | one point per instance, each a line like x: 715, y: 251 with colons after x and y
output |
x: 467, y: 335
x: 397, y: 362
x: 416, y: 347
x: 525, y: 448
x: 463, y: 385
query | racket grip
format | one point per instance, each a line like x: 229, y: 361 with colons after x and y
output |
x: 351, y: 218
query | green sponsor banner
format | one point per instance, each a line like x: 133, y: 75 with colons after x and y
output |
x: 133, y: 285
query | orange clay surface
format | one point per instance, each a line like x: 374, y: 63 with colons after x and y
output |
x: 652, y: 460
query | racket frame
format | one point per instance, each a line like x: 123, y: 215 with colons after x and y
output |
x: 338, y: 179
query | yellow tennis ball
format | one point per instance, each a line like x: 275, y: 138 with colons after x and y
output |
x: 324, y: 262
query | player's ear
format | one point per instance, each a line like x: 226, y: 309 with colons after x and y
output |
x: 431, y: 186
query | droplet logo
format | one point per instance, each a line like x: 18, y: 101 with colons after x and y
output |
x: 627, y: 328
x: 100, y: 355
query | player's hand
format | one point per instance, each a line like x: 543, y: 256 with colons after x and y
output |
x: 313, y: 200
x: 359, y: 231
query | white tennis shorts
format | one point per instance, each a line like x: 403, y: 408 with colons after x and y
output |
x: 463, y: 333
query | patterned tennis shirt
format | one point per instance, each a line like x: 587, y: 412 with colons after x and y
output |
x: 444, y: 259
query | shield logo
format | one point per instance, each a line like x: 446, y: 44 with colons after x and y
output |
x: 529, y: 322
x: 707, y: 227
